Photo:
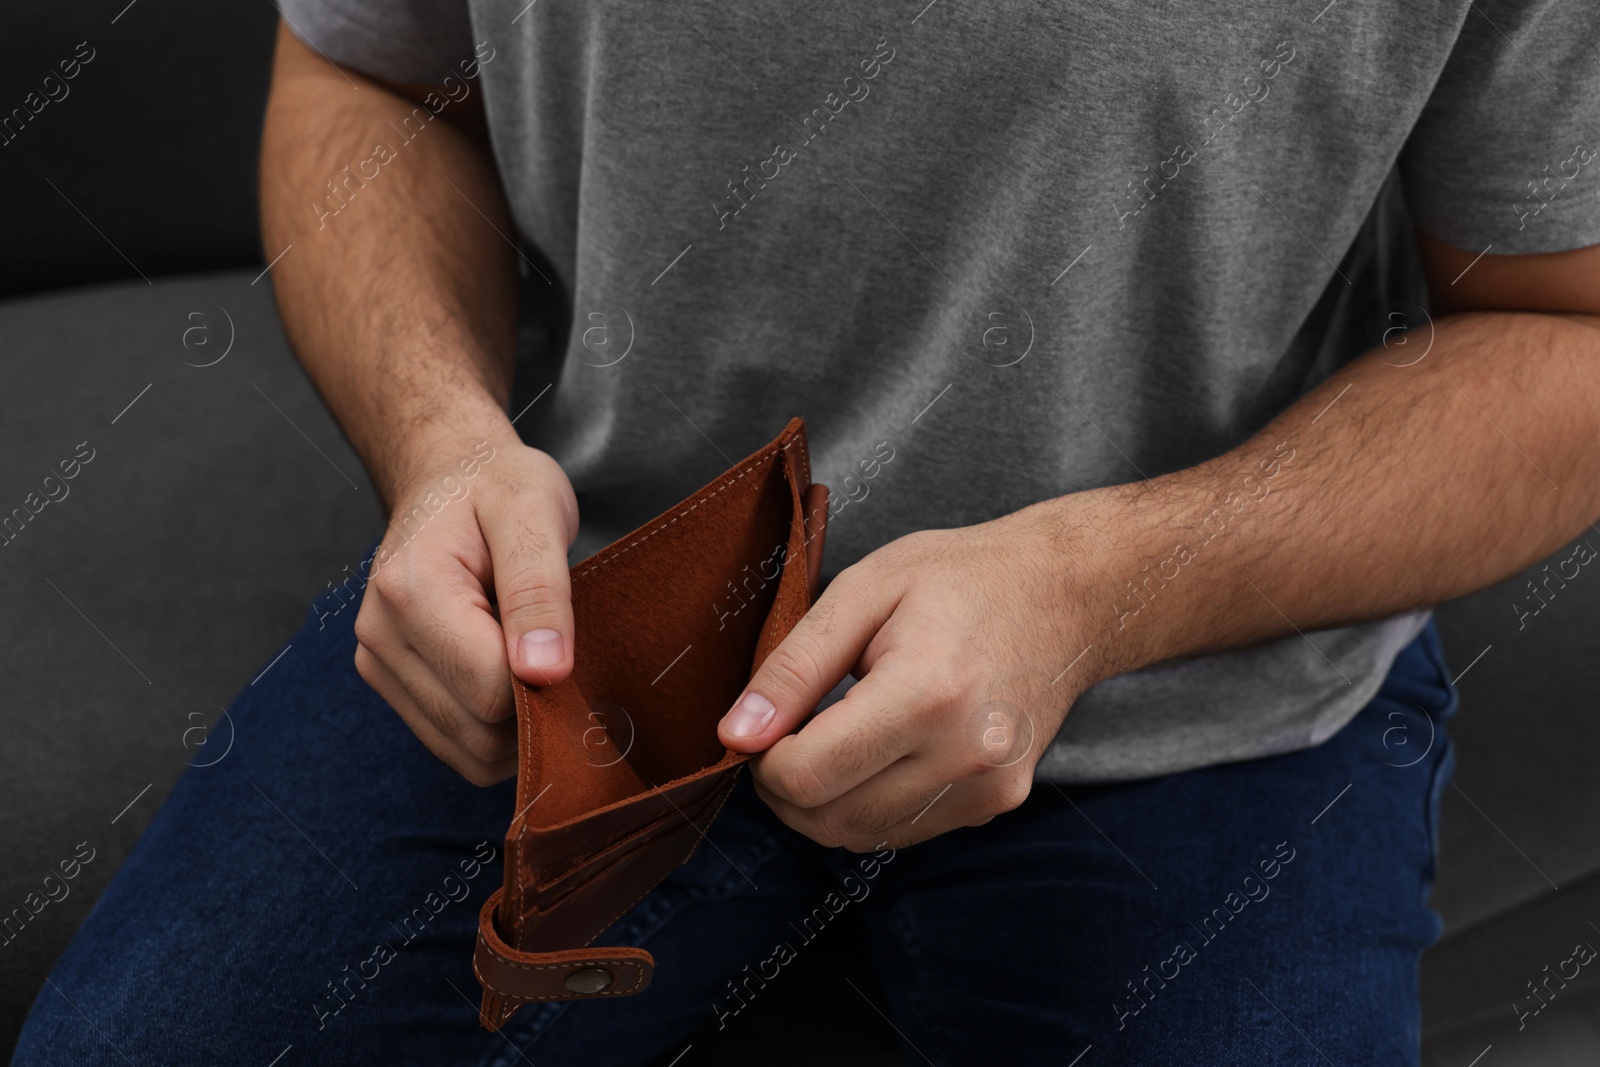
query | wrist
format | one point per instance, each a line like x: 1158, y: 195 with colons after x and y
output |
x: 1133, y: 600
x: 1160, y: 569
x: 435, y: 444
x: 1117, y: 556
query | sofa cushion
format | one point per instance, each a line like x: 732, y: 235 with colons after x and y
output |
x: 208, y: 505
x: 1518, y: 818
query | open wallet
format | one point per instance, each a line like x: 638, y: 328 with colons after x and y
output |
x: 619, y: 768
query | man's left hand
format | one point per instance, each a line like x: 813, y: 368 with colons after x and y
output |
x: 961, y: 640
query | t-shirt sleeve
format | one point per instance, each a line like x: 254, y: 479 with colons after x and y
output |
x: 418, y: 41
x: 1507, y: 151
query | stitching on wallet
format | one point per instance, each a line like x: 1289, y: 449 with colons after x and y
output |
x: 690, y: 506
x: 637, y: 965
x: 805, y: 457
x: 519, y: 921
x: 760, y: 461
x: 514, y: 877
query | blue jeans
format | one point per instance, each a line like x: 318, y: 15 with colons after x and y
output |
x: 314, y: 894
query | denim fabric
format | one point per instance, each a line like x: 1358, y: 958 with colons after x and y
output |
x: 314, y: 896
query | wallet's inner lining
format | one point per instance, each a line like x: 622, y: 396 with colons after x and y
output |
x: 666, y: 638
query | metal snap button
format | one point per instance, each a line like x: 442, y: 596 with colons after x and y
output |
x: 589, y: 980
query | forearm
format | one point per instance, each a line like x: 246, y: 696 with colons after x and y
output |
x: 399, y: 298
x: 1386, y: 489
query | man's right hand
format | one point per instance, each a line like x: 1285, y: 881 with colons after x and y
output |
x: 400, y: 298
x: 461, y: 596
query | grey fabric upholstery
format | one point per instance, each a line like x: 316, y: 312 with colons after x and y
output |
x: 1518, y: 822
x: 1528, y: 733
x: 183, y: 555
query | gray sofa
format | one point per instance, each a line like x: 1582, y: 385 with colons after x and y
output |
x: 213, y: 498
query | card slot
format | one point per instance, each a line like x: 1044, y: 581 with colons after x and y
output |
x: 580, y: 916
x: 543, y: 891
x: 574, y: 844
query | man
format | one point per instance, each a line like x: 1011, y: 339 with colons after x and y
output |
x: 1098, y: 316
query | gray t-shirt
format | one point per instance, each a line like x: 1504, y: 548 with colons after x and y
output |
x: 994, y: 253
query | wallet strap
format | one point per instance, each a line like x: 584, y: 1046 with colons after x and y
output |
x: 517, y: 977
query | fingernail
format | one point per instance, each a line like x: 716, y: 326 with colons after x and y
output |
x: 540, y: 648
x: 750, y: 716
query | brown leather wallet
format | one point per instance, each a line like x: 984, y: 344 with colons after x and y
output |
x: 619, y: 769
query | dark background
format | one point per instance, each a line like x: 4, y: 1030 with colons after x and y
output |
x: 155, y: 142
x: 205, y: 526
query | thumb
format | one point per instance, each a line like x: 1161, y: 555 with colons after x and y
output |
x: 527, y: 544
x: 804, y: 668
